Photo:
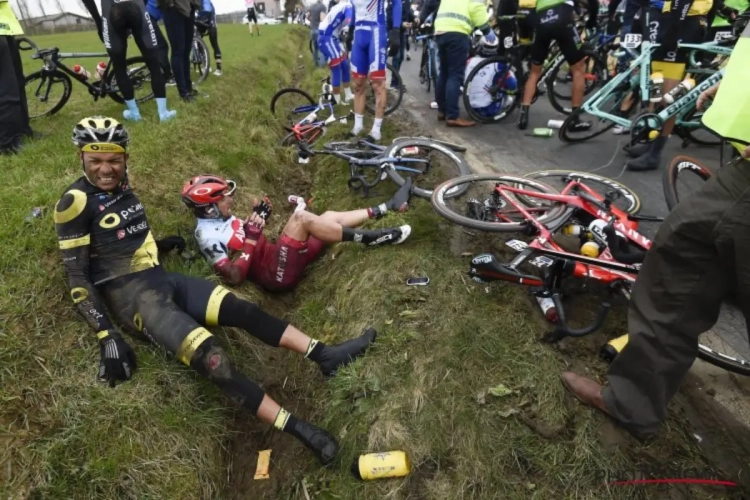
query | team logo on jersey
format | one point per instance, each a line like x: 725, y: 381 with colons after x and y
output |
x: 102, y: 208
x: 120, y: 234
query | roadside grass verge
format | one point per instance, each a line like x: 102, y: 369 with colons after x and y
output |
x: 422, y: 388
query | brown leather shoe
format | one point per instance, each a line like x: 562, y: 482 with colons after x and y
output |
x: 585, y: 390
x: 441, y: 117
x: 460, y: 122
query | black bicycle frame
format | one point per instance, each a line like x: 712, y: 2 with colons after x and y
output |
x: 53, y: 62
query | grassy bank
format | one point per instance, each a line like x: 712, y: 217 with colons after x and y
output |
x: 422, y: 388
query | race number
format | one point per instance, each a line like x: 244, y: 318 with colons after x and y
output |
x: 632, y: 41
x: 722, y: 35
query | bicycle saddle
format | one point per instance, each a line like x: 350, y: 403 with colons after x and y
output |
x: 485, y: 268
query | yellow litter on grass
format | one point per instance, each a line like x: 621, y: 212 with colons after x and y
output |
x: 264, y: 460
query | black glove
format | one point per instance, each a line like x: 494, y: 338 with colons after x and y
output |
x: 263, y: 208
x: 591, y: 22
x: 117, y: 359
x: 166, y: 245
x: 394, y: 41
x: 349, y: 39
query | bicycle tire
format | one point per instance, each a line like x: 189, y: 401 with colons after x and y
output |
x: 599, y: 70
x: 439, y: 195
x: 138, y: 78
x: 433, y: 76
x: 391, y: 106
x: 310, y: 136
x: 676, y: 166
x: 455, y: 147
x: 393, y: 149
x: 54, y: 77
x: 690, y: 116
x: 728, y: 363
x: 504, y: 111
x: 289, y: 90
x: 202, y: 61
x: 634, y: 201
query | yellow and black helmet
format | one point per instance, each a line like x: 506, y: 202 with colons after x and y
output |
x: 100, y: 134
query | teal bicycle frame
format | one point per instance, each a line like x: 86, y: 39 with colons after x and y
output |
x: 643, y: 63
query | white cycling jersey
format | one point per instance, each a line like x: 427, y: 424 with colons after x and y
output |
x: 338, y: 17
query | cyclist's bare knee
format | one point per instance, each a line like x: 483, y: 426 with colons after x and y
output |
x: 359, y: 84
x: 297, y: 227
x: 216, y: 363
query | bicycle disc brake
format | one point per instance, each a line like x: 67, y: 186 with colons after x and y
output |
x: 646, y: 127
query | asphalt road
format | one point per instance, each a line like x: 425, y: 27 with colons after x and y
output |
x: 512, y: 151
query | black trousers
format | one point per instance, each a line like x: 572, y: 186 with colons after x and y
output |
x: 698, y: 258
x: 14, y: 111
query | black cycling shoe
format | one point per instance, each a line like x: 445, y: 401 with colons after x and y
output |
x: 644, y: 162
x: 579, y: 126
x: 400, y: 200
x: 637, y: 150
x: 317, y: 440
x: 523, y: 117
x: 336, y: 356
x: 391, y: 236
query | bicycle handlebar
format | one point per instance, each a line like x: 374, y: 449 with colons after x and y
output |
x: 28, y: 41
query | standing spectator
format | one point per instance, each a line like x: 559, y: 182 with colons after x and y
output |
x: 179, y: 17
x: 252, y: 17
x: 316, y: 14
x: 407, y: 19
x: 161, y: 43
x: 207, y: 22
x: 454, y: 22
x: 14, y: 113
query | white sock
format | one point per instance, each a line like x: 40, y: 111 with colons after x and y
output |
x: 375, y: 132
x: 359, y: 124
x: 348, y: 94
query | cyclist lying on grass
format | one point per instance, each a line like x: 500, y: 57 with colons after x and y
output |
x: 277, y: 266
x: 110, y: 255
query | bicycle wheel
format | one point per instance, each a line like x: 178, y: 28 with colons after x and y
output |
x: 442, y: 164
x: 610, y: 104
x: 626, y: 199
x: 491, y: 90
x: 695, y: 131
x: 486, y: 210
x: 310, y: 134
x: 433, y: 69
x: 454, y: 147
x: 727, y: 362
x: 200, y: 60
x: 140, y: 78
x: 394, y: 92
x: 595, y: 75
x: 682, y: 177
x: 291, y: 105
x: 47, y: 93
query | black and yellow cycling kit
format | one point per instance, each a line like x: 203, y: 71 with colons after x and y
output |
x: 109, y: 253
x: 681, y: 21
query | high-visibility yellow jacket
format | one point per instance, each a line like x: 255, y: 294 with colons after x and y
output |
x: 461, y: 16
x: 9, y: 25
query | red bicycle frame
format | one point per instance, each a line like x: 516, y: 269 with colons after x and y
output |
x: 545, y: 241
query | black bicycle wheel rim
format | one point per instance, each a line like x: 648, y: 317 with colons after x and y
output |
x: 729, y: 363
x: 200, y: 60
x: 140, y: 78
x: 695, y: 116
x: 439, y: 196
x: 681, y: 166
x: 38, y: 86
x: 288, y: 116
x: 502, y: 112
x: 394, y: 95
x: 461, y: 167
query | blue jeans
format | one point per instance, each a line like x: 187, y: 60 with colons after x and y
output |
x: 180, y: 33
x: 399, y: 57
x: 315, y: 49
x: 453, y: 51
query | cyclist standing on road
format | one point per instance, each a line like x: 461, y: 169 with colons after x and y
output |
x: 370, y: 45
x: 110, y: 255
x: 161, y: 42
x: 336, y: 21
x: 252, y: 17
x: 556, y: 22
x: 117, y: 20
x: 206, y: 22
x: 454, y: 23
x: 698, y: 259
x: 407, y: 18
x: 278, y: 267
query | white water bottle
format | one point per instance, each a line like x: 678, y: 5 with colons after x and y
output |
x: 100, y: 69
x: 81, y: 71
x: 683, y: 88
x: 547, y: 305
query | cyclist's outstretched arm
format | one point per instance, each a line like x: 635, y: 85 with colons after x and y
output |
x: 73, y: 226
x: 479, y: 17
x: 235, y: 271
x: 94, y: 11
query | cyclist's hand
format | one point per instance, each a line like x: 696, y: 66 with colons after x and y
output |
x: 746, y: 152
x: 118, y: 361
x: 263, y: 207
x: 705, y: 96
x: 490, y: 39
x: 254, y: 227
x: 394, y: 41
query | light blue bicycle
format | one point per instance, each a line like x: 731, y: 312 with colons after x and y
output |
x: 429, y: 67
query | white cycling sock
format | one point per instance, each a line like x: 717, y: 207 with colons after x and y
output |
x: 359, y: 124
x: 375, y: 132
x: 348, y: 94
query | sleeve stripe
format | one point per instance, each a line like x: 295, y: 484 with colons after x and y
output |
x: 76, y: 242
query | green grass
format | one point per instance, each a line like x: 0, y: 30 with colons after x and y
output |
x: 169, y: 434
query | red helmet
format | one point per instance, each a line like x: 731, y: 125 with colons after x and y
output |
x: 202, y: 192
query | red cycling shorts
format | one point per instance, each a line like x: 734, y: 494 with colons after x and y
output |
x: 279, y: 266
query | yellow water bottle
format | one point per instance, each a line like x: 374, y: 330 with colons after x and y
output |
x: 590, y: 249
x: 611, y: 349
x: 381, y: 465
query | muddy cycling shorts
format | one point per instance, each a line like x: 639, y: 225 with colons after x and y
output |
x: 556, y: 24
x: 330, y: 47
x: 251, y: 16
x: 281, y: 265
x: 170, y: 309
x: 369, y: 50
x: 672, y: 64
x: 122, y: 18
